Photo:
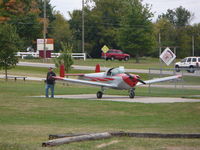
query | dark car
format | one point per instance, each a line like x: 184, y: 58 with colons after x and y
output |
x: 115, y: 54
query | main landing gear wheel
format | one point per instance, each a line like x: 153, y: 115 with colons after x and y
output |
x: 99, y: 94
x: 132, y: 94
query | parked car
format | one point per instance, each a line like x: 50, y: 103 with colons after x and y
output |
x: 188, y: 63
x: 115, y: 54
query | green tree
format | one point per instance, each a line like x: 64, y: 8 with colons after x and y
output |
x: 101, y: 25
x: 27, y: 16
x: 167, y: 32
x: 184, y: 43
x: 9, y: 45
x: 60, y: 31
x: 76, y: 29
x: 179, y: 17
x: 65, y: 57
x: 28, y: 28
x: 136, y: 31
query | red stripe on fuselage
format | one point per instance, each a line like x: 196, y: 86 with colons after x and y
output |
x: 99, y: 79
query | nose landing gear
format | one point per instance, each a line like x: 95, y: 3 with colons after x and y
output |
x: 100, y: 93
x: 132, y: 93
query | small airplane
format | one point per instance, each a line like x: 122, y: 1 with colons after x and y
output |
x: 115, y: 78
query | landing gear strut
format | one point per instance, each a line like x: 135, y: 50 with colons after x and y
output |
x: 100, y: 93
x: 132, y: 93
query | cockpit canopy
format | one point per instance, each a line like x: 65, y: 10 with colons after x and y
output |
x: 115, y: 71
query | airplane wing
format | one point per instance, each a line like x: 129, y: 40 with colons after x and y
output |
x: 160, y: 79
x: 85, y: 82
x: 76, y: 74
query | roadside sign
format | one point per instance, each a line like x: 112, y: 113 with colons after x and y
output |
x: 167, y: 56
x: 105, y: 49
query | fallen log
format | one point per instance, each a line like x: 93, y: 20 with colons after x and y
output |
x: 69, y: 138
x: 57, y: 136
x: 154, y: 135
x: 66, y: 140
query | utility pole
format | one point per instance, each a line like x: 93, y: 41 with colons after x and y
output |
x: 159, y: 41
x: 83, y: 28
x: 44, y: 29
x: 193, y: 45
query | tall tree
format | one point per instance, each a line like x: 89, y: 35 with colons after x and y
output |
x: 60, y: 31
x: 76, y: 29
x: 27, y: 16
x: 101, y: 24
x: 9, y: 45
x: 179, y: 17
x: 136, y: 31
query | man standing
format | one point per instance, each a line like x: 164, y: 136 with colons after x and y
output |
x: 50, y: 81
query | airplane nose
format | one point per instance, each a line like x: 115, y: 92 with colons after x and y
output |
x: 131, y: 81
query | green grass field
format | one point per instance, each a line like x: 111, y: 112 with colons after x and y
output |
x: 145, y: 63
x: 26, y: 122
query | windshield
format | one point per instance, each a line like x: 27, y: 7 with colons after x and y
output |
x: 115, y: 71
x: 184, y: 60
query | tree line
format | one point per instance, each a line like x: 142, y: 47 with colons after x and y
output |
x: 119, y: 24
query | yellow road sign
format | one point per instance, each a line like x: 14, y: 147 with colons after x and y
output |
x: 105, y: 49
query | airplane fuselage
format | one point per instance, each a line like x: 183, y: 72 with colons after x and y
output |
x: 122, y: 81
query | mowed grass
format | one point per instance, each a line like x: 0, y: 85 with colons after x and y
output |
x: 41, y: 72
x: 26, y: 122
x: 145, y: 63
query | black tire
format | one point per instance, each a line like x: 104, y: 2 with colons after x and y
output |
x: 112, y: 58
x: 177, y: 68
x: 126, y: 59
x: 191, y: 69
x: 132, y: 94
x: 99, y: 94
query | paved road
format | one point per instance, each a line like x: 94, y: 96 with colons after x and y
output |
x: 119, y: 98
x: 197, y: 73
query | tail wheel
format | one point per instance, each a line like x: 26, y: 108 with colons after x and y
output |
x: 177, y: 68
x: 99, y: 94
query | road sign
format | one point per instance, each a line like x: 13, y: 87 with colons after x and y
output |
x: 167, y: 56
x: 105, y: 49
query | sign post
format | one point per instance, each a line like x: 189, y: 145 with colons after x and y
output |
x: 105, y: 50
x: 45, y: 52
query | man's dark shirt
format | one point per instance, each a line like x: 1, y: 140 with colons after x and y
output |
x: 50, y: 79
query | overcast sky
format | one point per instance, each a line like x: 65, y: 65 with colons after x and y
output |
x: 158, y: 6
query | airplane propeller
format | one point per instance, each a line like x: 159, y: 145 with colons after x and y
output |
x: 132, y: 77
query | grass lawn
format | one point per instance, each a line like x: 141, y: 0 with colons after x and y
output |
x: 26, y: 122
x: 145, y: 63
x: 41, y: 72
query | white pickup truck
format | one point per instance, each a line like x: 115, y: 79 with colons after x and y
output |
x: 189, y: 63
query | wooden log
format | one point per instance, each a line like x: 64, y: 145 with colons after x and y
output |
x: 66, y: 140
x: 57, y: 136
x: 154, y: 135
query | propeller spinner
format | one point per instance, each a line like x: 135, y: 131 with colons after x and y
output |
x: 135, y: 77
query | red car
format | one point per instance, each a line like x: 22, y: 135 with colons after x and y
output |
x: 115, y: 54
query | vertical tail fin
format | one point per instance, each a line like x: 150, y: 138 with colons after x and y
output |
x: 97, y: 69
x: 62, y: 70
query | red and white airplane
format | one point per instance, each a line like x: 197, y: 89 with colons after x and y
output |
x: 115, y: 78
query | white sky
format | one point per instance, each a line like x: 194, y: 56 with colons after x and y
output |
x: 158, y: 6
